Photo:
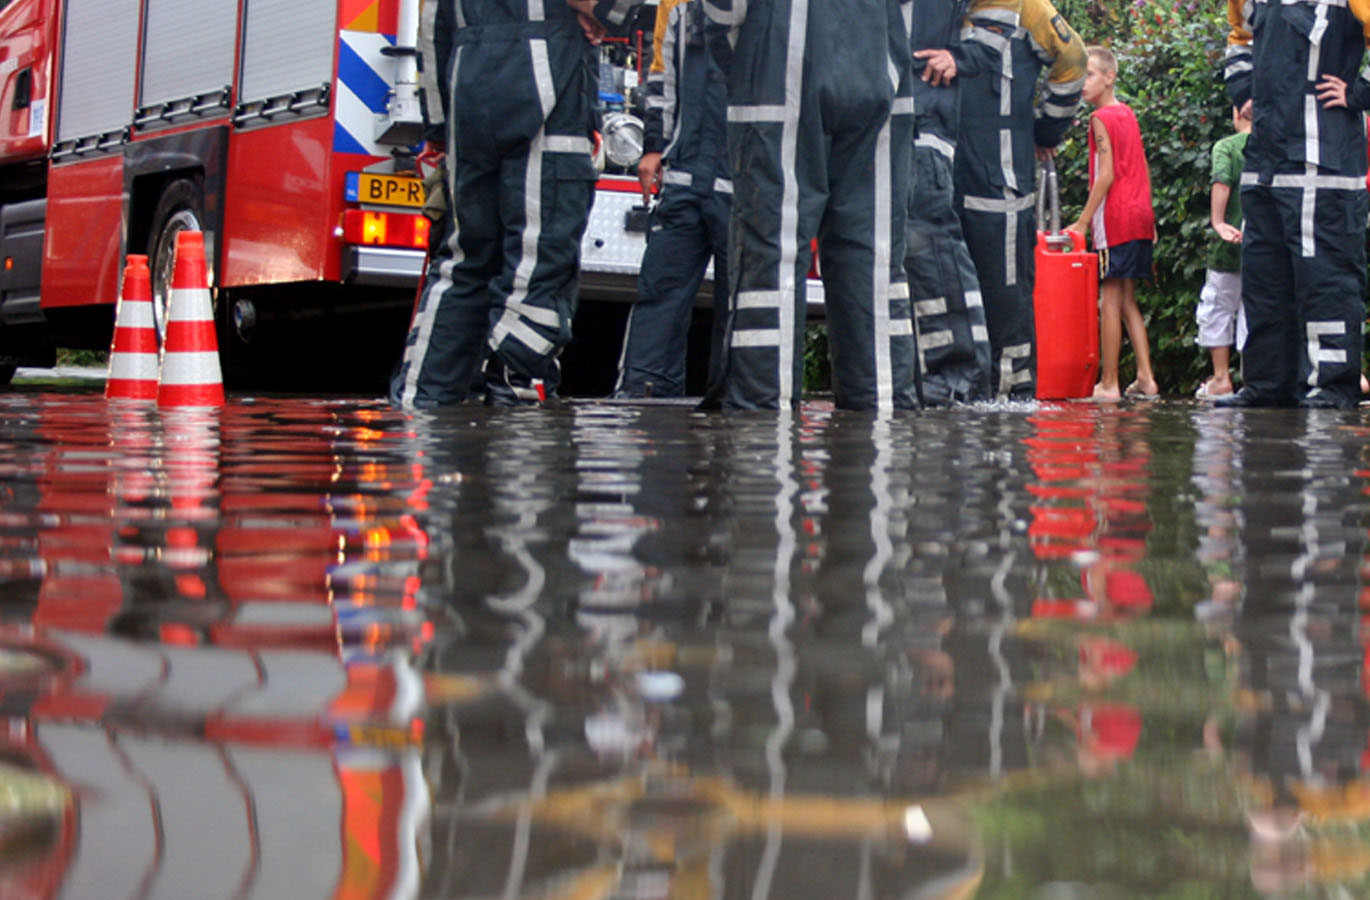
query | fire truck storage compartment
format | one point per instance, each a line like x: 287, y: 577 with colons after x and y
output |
x: 21, y: 240
x: 188, y: 58
x: 98, y: 66
x: 285, y: 51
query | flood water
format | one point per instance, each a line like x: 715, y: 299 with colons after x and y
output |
x: 319, y: 649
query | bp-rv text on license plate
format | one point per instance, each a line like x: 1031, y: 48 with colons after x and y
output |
x: 384, y: 190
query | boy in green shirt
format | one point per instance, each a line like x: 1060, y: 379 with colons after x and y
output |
x: 1220, y: 301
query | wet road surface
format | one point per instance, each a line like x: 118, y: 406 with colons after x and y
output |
x: 319, y: 649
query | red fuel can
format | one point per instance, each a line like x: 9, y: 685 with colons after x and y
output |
x: 1066, y: 306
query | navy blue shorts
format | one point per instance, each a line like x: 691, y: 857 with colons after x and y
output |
x: 1129, y: 260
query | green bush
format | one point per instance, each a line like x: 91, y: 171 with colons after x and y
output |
x: 67, y: 357
x: 817, y: 364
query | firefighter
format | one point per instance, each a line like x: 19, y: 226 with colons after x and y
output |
x: 686, y: 131
x: 521, y: 181
x: 1002, y: 137
x: 1303, y: 199
x: 948, y: 313
x: 819, y: 125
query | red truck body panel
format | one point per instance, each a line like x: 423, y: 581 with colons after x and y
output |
x: 27, y: 41
x: 282, y: 201
x: 85, y: 233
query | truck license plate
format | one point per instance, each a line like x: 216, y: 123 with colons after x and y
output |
x: 385, y: 190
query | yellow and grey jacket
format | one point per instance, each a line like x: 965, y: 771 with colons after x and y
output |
x: 1001, y: 125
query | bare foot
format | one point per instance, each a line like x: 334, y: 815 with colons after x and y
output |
x: 1103, y: 393
x: 1214, y: 387
x: 1142, y: 390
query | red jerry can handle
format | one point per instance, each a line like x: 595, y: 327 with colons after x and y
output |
x: 1061, y: 242
x: 1052, y: 237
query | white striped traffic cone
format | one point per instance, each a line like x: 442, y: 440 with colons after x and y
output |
x: 133, y: 352
x: 190, y: 358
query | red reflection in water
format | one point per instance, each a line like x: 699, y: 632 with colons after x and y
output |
x: 225, y: 609
x: 1091, y: 468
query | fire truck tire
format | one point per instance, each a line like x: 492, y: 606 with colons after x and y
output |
x: 178, y: 209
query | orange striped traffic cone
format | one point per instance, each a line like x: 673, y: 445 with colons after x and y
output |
x: 190, y: 359
x: 133, y: 352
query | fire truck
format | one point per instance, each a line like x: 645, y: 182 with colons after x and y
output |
x: 285, y: 130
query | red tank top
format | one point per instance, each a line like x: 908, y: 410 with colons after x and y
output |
x: 1126, y: 213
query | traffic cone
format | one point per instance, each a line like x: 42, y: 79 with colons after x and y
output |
x: 133, y: 352
x: 190, y: 358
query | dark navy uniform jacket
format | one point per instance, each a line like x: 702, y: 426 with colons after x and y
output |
x: 1270, y: 44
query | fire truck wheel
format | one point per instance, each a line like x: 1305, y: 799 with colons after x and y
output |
x: 179, y: 209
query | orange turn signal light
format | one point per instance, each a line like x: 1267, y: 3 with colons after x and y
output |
x: 385, y: 229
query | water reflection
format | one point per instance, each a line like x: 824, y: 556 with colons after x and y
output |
x: 317, y: 649
x: 1299, y: 631
x: 208, y: 661
x: 733, y: 737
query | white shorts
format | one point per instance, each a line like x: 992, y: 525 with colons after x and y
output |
x: 1220, y: 309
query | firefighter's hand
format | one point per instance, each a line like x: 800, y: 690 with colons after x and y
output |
x: 589, y: 25
x: 1332, y: 91
x: 591, y: 28
x: 649, y: 175
x: 435, y: 193
x: 1045, y: 153
x: 940, y: 68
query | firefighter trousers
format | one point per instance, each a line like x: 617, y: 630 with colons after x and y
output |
x: 1303, y: 289
x: 1001, y: 235
x: 840, y: 187
x: 948, y: 313
x: 688, y: 229
x: 508, y: 284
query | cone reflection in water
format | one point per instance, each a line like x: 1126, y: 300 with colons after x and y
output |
x: 190, y: 465
x: 190, y: 479
x: 190, y: 364
x: 133, y: 352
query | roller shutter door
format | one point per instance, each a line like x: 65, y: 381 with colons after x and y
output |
x: 288, y: 47
x: 189, y: 49
x: 99, y: 63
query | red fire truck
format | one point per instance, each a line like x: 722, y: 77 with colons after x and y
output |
x: 283, y: 129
